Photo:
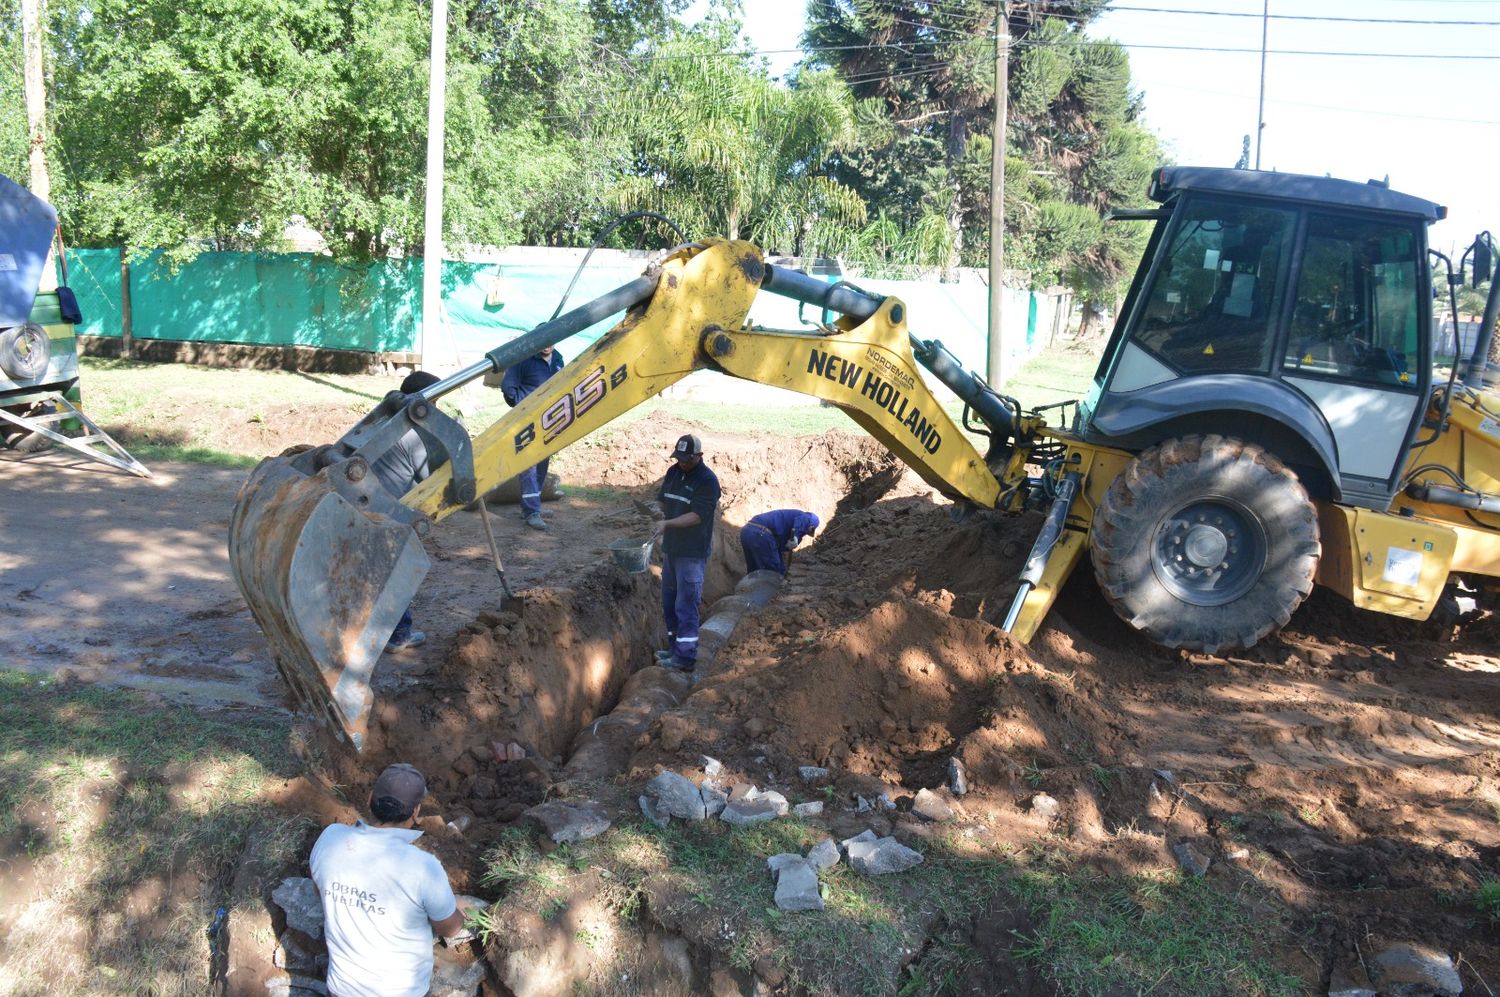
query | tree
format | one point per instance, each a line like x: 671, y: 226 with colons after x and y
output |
x: 717, y: 145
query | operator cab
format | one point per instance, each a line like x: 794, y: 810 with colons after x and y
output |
x: 1289, y: 311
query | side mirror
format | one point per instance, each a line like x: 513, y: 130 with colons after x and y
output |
x: 1482, y: 261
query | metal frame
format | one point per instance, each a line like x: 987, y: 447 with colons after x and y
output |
x: 119, y: 459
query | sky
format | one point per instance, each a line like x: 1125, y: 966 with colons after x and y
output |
x: 1432, y: 125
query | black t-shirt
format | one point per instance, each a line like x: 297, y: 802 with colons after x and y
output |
x: 696, y: 491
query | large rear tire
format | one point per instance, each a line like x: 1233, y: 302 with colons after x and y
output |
x: 1206, y: 542
x: 25, y: 352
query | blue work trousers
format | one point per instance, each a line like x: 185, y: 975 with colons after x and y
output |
x: 761, y: 552
x: 532, y: 481
x: 681, y: 592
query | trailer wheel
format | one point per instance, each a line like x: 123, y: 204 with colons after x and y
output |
x: 24, y: 352
x: 1205, y: 542
x: 23, y: 440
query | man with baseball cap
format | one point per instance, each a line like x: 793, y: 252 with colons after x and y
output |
x: 689, y: 498
x: 382, y: 896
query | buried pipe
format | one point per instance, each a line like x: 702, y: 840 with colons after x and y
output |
x: 603, y: 748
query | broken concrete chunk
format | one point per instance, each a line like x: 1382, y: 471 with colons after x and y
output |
x: 812, y: 773
x: 782, y: 806
x: 958, y: 777
x: 566, y: 822
x: 824, y: 854
x: 809, y: 809
x: 654, y: 813
x: 743, y: 812
x: 886, y: 802
x: 882, y: 856
x: 1044, y: 806
x: 1408, y: 970
x: 292, y: 956
x: 714, y: 800
x: 677, y: 796
x: 298, y: 896
x: 930, y: 806
x: 740, y: 791
x: 797, y: 886
x: 1191, y: 860
x: 775, y: 862
x: 862, y: 805
x: 711, y: 766
x: 456, y: 979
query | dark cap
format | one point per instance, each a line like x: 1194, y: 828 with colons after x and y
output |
x: 687, y: 446
x: 402, y: 783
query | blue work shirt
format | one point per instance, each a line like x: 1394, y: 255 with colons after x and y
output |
x: 788, y: 526
x: 528, y: 375
x: 696, y: 491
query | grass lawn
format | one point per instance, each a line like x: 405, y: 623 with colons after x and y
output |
x: 123, y: 817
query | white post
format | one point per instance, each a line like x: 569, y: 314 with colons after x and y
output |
x: 432, y: 238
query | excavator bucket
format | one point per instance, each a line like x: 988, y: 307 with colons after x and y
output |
x: 326, y: 581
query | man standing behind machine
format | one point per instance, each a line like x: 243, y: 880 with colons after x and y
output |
x: 689, y: 497
x: 520, y: 381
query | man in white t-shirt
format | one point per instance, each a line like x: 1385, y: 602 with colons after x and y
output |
x: 382, y: 896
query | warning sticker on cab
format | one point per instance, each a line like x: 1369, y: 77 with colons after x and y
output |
x: 1403, y: 567
x: 1489, y: 427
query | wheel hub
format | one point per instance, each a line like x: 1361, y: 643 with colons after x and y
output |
x: 1205, y: 545
x: 1209, y: 552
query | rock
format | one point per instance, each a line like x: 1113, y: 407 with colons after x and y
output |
x: 958, y: 777
x: 775, y: 862
x: 1045, y: 806
x: 930, y: 806
x: 1191, y: 860
x: 741, y: 791
x: 824, y: 854
x: 797, y: 886
x: 862, y: 805
x: 298, y: 896
x: 566, y: 822
x: 711, y: 766
x: 1165, y: 775
x: 744, y: 812
x: 654, y: 813
x: 1408, y: 970
x: 812, y: 773
x: 886, y: 802
x: 1352, y: 992
x: 714, y: 800
x: 882, y: 856
x: 677, y: 796
x: 456, y: 979
x: 295, y: 986
x: 1237, y: 854
x: 810, y: 809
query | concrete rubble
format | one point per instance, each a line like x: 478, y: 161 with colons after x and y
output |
x: 875, y: 856
x: 566, y: 822
x: 810, y: 809
x: 298, y: 897
x: 958, y: 777
x: 812, y: 773
x: 1045, y: 806
x: 931, y: 806
x: 824, y: 854
x: 676, y: 796
x: 752, y: 806
x: 1409, y: 970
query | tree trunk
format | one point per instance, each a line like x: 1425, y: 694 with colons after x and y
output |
x: 957, y: 145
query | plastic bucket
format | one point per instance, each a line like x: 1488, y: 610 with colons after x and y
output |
x: 632, y: 555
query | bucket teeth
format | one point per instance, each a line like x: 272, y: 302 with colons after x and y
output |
x: 327, y: 584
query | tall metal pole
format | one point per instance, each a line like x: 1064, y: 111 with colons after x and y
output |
x: 35, y: 84
x: 432, y: 237
x: 995, y: 359
x: 1260, y: 111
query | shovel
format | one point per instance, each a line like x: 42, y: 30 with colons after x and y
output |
x: 509, y: 601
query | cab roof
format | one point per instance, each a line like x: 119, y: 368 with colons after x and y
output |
x: 1168, y: 181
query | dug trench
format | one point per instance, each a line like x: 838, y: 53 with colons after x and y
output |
x: 1306, y: 805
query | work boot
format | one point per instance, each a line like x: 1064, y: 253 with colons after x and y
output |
x: 536, y: 522
x: 677, y: 664
x: 412, y: 638
x: 664, y: 655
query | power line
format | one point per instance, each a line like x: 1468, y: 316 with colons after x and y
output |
x: 1147, y: 86
x: 1305, y: 17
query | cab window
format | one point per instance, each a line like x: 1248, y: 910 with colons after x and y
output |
x: 1212, y: 306
x: 1357, y: 303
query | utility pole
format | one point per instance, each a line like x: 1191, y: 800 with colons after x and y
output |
x: 994, y: 362
x: 1260, y: 111
x: 36, y: 118
x: 432, y: 237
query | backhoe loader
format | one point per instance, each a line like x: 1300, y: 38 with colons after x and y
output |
x: 1264, y: 417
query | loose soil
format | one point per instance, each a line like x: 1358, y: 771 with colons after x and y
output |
x: 1344, y: 774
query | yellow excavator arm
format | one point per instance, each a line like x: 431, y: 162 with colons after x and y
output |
x: 328, y: 560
